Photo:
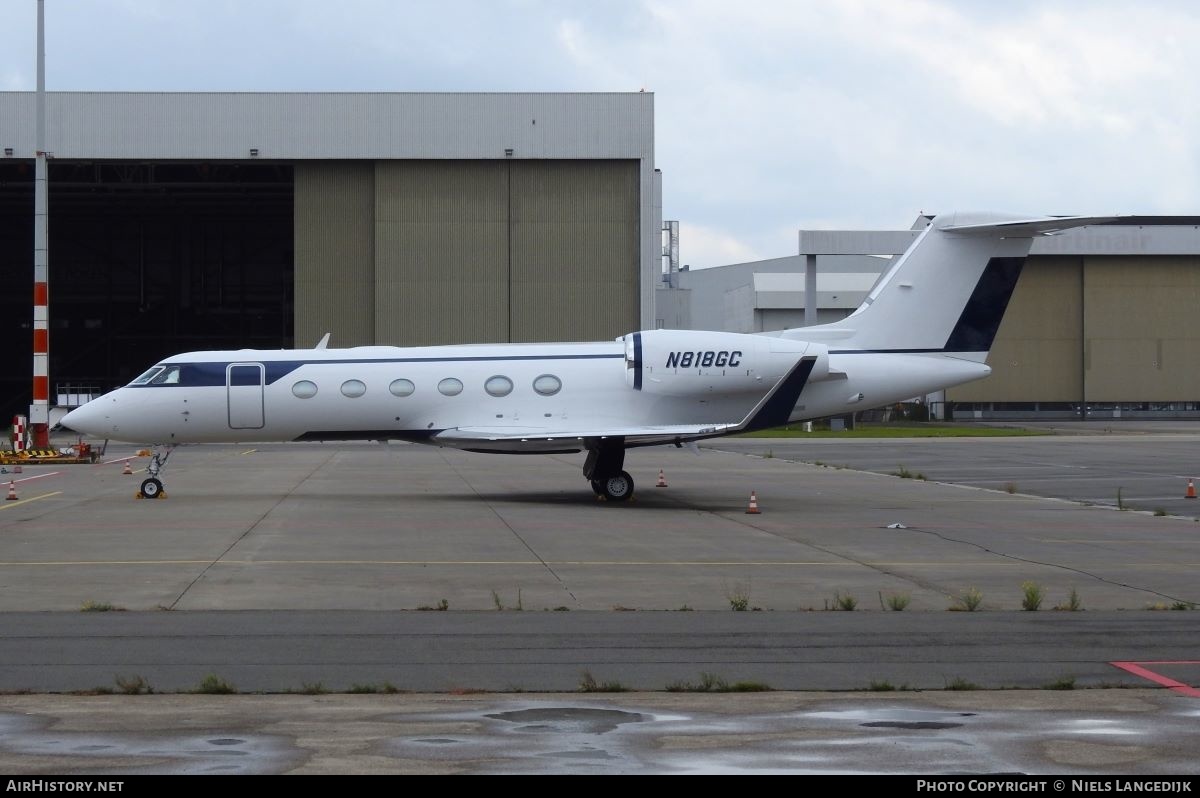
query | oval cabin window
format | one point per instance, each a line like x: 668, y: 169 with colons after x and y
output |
x: 498, y: 385
x: 547, y: 385
x: 353, y: 388
x: 305, y: 389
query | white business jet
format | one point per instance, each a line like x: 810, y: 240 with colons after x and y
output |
x: 926, y: 325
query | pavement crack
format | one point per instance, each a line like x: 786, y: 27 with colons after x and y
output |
x: 1069, y: 568
x: 947, y: 538
x: 250, y: 529
x: 509, y: 526
x: 800, y: 542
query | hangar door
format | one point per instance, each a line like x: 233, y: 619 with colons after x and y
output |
x: 435, y: 252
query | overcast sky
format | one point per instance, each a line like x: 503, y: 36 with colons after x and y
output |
x: 770, y: 116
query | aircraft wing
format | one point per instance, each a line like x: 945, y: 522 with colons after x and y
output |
x: 772, y: 410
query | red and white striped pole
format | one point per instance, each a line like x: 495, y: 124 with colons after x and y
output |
x: 18, y: 434
x: 39, y: 411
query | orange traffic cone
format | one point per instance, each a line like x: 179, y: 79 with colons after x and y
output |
x: 662, y: 479
x: 753, y: 508
x: 127, y: 470
x: 12, y: 491
x: 1191, y: 491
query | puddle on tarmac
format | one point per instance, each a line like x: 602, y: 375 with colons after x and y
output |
x: 590, y: 754
x: 559, y: 720
x: 103, y: 752
x: 910, y: 724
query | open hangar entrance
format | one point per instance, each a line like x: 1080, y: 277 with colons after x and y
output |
x: 147, y: 259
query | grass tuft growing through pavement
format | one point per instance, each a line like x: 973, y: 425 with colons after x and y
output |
x: 214, y: 685
x: 588, y: 684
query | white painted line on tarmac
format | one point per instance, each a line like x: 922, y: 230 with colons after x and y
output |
x: 36, y: 476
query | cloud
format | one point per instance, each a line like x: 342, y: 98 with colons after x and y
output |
x: 1082, y: 67
x: 702, y: 247
x: 770, y: 114
x: 13, y: 80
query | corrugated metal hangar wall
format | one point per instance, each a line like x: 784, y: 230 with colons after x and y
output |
x: 432, y: 252
x: 1097, y: 329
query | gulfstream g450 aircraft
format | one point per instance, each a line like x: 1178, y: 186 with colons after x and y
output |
x: 926, y: 325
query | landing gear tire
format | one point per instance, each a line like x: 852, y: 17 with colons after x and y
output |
x: 617, y: 488
x: 151, y: 489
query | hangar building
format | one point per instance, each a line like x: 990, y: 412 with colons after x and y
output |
x: 188, y: 221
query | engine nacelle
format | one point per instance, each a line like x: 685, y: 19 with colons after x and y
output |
x: 686, y: 362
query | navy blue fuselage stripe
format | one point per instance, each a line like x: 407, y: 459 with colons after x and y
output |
x: 213, y: 373
x: 637, y: 361
x: 244, y: 374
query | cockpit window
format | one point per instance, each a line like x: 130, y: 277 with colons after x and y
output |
x: 168, y: 376
x: 148, y: 375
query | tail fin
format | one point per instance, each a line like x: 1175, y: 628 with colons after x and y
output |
x: 949, y: 291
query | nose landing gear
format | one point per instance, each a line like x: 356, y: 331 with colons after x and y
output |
x: 152, y: 487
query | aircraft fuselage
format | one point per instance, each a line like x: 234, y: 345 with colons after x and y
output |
x: 539, y: 391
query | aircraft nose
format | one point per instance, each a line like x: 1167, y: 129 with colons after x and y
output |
x: 87, y: 419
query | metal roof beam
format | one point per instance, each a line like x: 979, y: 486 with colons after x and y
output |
x: 856, y: 242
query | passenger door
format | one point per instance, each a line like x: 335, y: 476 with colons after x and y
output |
x: 244, y: 382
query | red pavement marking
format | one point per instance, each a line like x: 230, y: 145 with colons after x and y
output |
x: 1166, y: 681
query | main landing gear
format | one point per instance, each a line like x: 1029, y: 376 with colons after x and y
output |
x: 604, y: 469
x: 152, y: 487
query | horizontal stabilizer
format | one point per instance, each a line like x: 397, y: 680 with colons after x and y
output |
x: 1021, y: 228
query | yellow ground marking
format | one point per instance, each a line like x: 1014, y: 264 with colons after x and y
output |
x: 19, y: 502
